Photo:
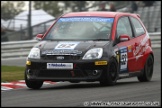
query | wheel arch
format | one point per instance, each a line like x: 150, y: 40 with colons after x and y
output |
x: 115, y: 58
x: 146, y: 55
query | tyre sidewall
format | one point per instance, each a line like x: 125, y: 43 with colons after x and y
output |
x: 148, y: 77
x: 112, y: 81
x: 106, y: 78
x: 32, y: 84
x: 145, y: 76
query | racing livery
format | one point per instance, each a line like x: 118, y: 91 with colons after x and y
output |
x: 91, y: 46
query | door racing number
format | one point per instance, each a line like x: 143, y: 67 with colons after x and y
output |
x: 123, y: 58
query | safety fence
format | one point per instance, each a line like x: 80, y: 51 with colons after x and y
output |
x: 22, y: 48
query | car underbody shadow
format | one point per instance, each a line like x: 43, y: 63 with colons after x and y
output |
x: 87, y: 85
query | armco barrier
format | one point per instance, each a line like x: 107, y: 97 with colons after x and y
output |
x: 17, y: 48
x: 155, y: 39
x: 22, y: 48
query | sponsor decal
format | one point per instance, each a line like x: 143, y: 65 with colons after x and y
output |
x: 123, y: 58
x: 66, y: 45
x: 130, y: 48
x: 59, y: 65
x: 88, y: 19
x: 137, y: 49
x: 138, y: 56
x: 141, y: 48
x: 143, y: 44
x: 101, y: 63
x: 61, y: 52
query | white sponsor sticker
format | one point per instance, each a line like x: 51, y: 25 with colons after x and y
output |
x: 123, y: 58
x: 59, y: 65
x: 66, y: 45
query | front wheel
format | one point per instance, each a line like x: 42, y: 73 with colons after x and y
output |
x: 33, y: 84
x: 147, y: 71
x: 111, y: 75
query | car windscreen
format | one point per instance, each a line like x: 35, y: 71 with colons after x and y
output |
x: 81, y: 28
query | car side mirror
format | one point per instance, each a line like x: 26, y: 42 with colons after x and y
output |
x: 123, y: 38
x: 39, y: 37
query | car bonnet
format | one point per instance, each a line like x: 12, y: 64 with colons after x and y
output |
x: 82, y: 46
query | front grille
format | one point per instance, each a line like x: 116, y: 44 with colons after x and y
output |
x: 54, y: 57
x: 38, y: 66
x: 60, y: 73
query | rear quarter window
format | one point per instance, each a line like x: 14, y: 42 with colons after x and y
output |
x: 138, y: 28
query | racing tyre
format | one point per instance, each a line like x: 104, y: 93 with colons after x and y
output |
x: 33, y: 84
x: 147, y: 71
x: 111, y: 75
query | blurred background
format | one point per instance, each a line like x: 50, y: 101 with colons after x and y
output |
x: 23, y: 20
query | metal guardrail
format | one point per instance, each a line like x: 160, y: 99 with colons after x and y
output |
x: 22, y: 48
x: 155, y: 39
x: 17, y: 48
x: 22, y: 34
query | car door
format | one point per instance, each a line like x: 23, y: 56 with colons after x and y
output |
x: 127, y: 58
x: 140, y: 41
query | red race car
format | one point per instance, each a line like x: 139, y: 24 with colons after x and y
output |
x: 91, y: 46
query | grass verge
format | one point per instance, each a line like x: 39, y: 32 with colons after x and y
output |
x: 12, y: 73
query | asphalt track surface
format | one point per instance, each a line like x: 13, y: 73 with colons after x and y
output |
x: 76, y: 95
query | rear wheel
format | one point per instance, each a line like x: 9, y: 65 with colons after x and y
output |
x: 111, y: 75
x: 147, y: 71
x: 33, y: 84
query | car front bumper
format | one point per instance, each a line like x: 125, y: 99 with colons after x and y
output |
x: 82, y: 70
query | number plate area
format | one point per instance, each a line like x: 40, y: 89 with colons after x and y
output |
x: 59, y: 65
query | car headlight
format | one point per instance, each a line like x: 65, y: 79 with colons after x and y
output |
x: 34, y: 53
x: 95, y: 53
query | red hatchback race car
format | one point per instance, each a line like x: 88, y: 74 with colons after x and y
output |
x: 91, y: 46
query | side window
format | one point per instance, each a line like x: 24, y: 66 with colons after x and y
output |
x: 139, y: 30
x: 124, y: 27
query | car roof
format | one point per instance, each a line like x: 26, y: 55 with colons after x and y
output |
x: 96, y: 14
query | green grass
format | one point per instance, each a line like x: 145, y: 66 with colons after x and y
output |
x: 12, y: 73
